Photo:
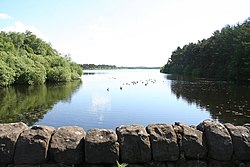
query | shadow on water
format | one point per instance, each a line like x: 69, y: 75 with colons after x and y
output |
x: 226, y: 102
x: 29, y: 104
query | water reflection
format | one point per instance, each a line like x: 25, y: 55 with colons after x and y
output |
x: 226, y: 102
x: 134, y: 97
x: 29, y: 104
x: 100, y: 102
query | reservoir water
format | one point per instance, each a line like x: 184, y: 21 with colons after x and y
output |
x: 109, y: 98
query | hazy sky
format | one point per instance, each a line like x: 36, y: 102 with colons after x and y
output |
x: 121, y: 32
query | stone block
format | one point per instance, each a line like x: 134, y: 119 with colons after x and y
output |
x: 190, y: 163
x: 134, y: 144
x: 13, y: 165
x: 218, y: 139
x: 155, y: 164
x: 193, y: 143
x: 163, y: 142
x: 94, y: 165
x: 247, y: 125
x: 9, y: 134
x: 195, y: 163
x: 101, y: 146
x: 32, y: 145
x: 85, y: 164
x: 170, y: 164
x: 67, y: 145
x: 241, y: 141
x: 54, y: 165
x: 246, y: 164
x: 215, y: 163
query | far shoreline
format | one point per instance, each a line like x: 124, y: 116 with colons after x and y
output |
x: 112, y: 67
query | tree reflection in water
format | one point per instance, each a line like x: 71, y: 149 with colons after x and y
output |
x: 225, y: 101
x: 30, y: 103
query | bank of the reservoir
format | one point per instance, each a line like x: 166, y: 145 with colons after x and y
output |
x: 208, y: 144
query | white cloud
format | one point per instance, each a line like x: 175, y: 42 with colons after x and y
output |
x: 4, y: 16
x: 101, y: 18
x: 21, y: 27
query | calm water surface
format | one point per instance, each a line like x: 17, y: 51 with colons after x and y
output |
x: 109, y: 98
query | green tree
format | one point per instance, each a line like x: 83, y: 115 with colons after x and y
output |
x: 6, y: 74
x: 225, y: 55
x: 26, y: 59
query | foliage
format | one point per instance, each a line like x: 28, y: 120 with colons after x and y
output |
x: 6, y: 74
x: 225, y: 55
x: 98, y: 67
x: 111, y: 67
x: 121, y: 165
x: 26, y: 59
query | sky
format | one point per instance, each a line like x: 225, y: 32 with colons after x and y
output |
x: 121, y: 32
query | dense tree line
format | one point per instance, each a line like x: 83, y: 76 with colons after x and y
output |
x: 225, y: 55
x: 98, y: 67
x: 26, y: 59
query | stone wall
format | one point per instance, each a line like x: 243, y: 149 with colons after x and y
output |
x: 210, y: 144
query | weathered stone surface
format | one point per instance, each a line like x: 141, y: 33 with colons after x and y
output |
x: 180, y: 162
x: 135, y: 165
x: 155, y: 164
x: 246, y: 164
x: 218, y: 140
x: 93, y: 165
x: 196, y: 164
x: 32, y: 145
x: 191, y: 163
x: 170, y: 164
x: 214, y: 163
x: 67, y: 145
x: 241, y: 141
x: 54, y: 165
x: 101, y: 146
x: 134, y: 144
x: 193, y: 143
x: 13, y: 165
x: 163, y: 142
x: 9, y: 134
x: 247, y: 125
x: 85, y: 164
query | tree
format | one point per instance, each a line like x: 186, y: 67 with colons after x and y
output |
x: 225, y: 55
x: 26, y: 59
x: 6, y: 74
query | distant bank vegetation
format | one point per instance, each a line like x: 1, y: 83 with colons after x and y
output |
x: 225, y: 55
x: 111, y: 67
x: 26, y: 59
x: 98, y: 67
